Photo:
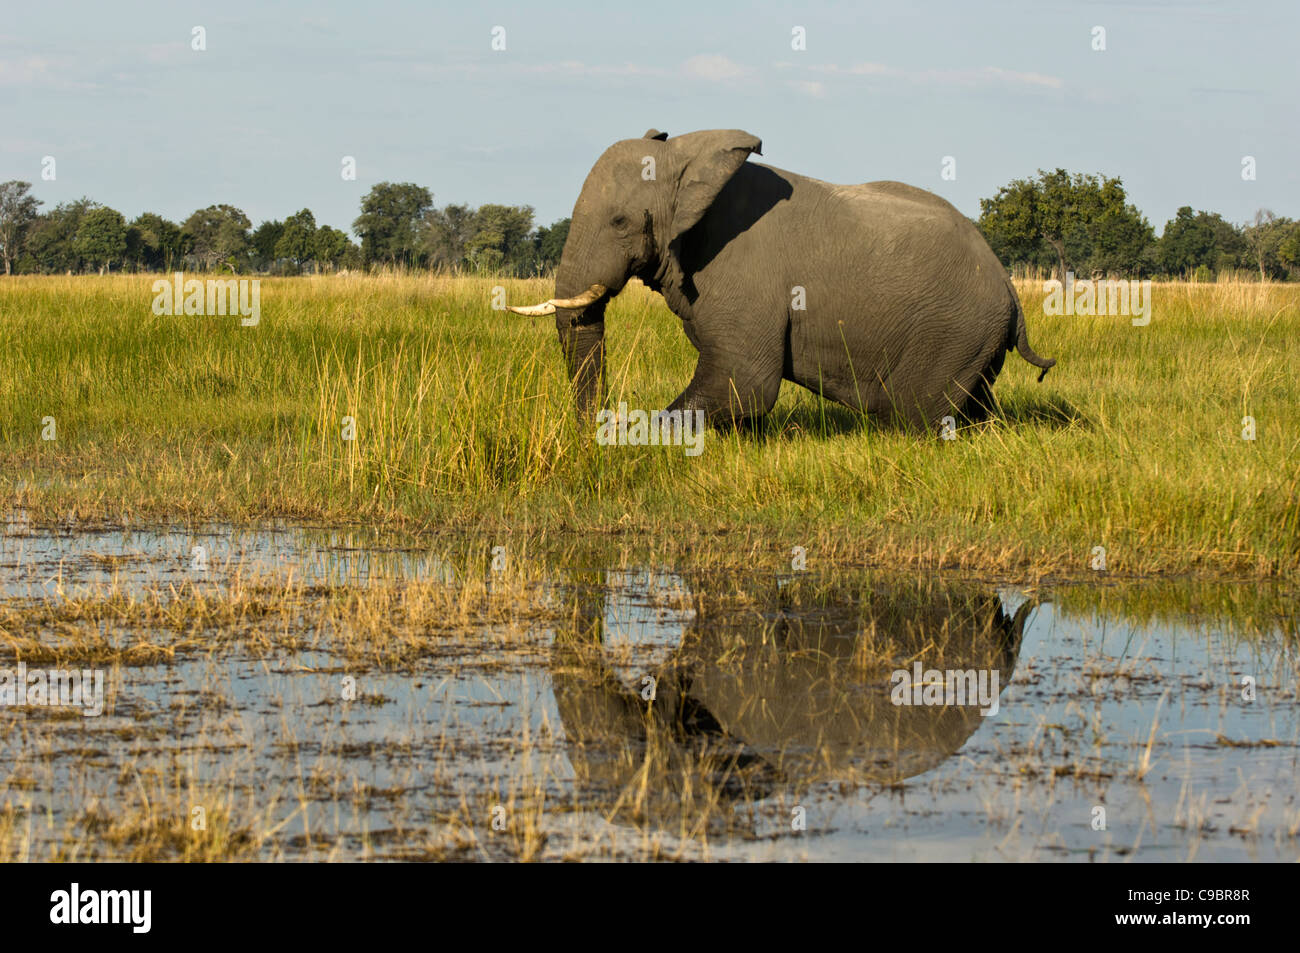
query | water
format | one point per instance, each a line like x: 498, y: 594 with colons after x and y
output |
x: 649, y: 713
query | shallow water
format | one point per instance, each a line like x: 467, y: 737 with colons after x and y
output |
x: 772, y: 733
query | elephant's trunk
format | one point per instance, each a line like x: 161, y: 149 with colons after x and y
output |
x: 584, y: 355
x: 580, y: 321
x: 590, y: 273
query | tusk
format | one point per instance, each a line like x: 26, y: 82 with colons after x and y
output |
x: 536, y: 310
x: 548, y: 307
x: 584, y: 299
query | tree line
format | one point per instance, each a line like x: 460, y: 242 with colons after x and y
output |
x: 399, y: 225
x: 1062, y: 222
x: 1058, y: 222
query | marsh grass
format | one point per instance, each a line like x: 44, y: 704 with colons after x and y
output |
x: 386, y: 625
x: 462, y: 417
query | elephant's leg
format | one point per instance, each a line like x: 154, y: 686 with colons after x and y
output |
x: 731, y: 389
x: 981, y: 403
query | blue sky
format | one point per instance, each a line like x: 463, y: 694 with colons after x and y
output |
x: 262, y: 118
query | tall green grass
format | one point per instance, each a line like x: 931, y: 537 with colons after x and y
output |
x: 463, y: 421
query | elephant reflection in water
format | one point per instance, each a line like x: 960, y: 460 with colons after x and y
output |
x: 791, y: 688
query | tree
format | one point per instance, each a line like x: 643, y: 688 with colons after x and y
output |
x: 1288, y: 250
x: 550, y: 244
x: 298, y: 238
x: 101, y: 238
x: 1122, y: 240
x: 501, y: 239
x: 1010, y: 223
x: 1194, y: 240
x: 389, y: 223
x: 49, y: 245
x: 445, y: 234
x: 491, y: 238
x: 263, y: 241
x: 331, y: 246
x: 1063, y: 205
x: 153, y: 243
x: 1186, y: 243
x: 1076, y: 221
x: 219, y: 234
x: 17, y: 212
x: 352, y: 259
x: 1228, y: 241
x: 1264, y: 239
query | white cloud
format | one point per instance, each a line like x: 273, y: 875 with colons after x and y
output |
x: 167, y: 54
x: 874, y: 69
x: 810, y: 88
x: 24, y: 71
x: 984, y: 76
x: 1029, y: 79
x: 577, y: 68
x: 714, y: 67
x: 709, y: 67
x: 45, y: 72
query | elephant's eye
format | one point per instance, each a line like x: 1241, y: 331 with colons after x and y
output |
x: 619, y: 221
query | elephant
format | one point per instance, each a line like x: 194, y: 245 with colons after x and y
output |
x: 776, y: 694
x: 881, y: 297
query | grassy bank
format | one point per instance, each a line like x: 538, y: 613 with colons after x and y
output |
x: 462, y: 421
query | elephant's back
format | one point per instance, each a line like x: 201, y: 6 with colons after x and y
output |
x: 908, y: 286
x: 900, y: 226
x: 899, y: 202
x: 887, y: 189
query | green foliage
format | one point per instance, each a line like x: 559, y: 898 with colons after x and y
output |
x: 17, y: 212
x: 1268, y: 244
x: 154, y: 244
x: 101, y: 238
x: 1058, y: 220
x: 1191, y: 242
x: 492, y: 239
x: 1080, y: 223
x: 219, y: 234
x: 298, y: 238
x: 550, y: 243
x: 263, y: 241
x: 330, y: 246
x: 1288, y: 250
x: 50, y: 242
x: 447, y: 232
x: 390, y: 220
x: 502, y: 240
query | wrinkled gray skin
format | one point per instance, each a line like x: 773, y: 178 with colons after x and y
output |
x: 908, y: 311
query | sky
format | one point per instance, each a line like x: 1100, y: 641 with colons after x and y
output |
x: 262, y: 118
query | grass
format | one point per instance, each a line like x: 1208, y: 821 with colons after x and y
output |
x: 463, y: 422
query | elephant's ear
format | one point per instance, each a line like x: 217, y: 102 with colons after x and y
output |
x: 655, y: 134
x: 707, y: 161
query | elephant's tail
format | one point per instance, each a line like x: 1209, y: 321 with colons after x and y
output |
x: 1022, y: 340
